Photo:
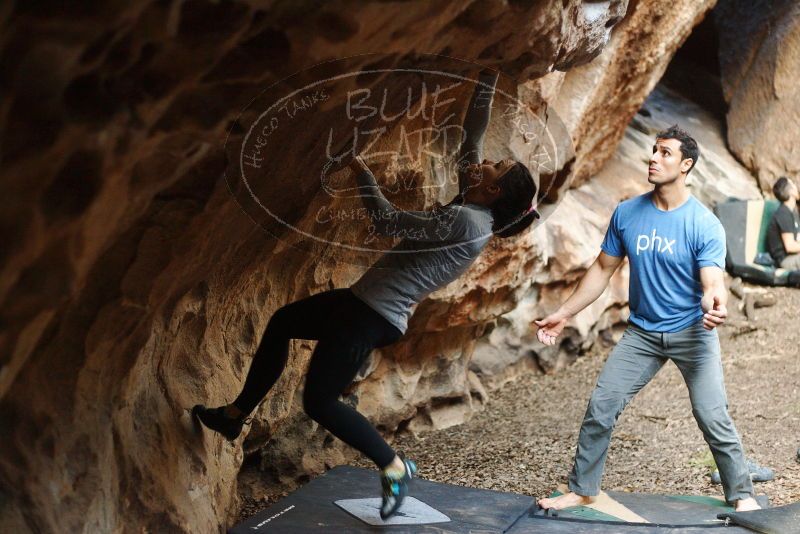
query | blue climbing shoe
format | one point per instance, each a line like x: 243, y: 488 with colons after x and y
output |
x: 757, y: 473
x: 396, y: 489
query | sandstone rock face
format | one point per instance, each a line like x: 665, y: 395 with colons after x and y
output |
x: 598, y: 100
x: 134, y: 285
x: 759, y: 47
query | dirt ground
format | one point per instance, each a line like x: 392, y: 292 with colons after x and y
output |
x: 524, y: 439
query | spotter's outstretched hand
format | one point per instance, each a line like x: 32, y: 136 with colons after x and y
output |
x: 551, y: 327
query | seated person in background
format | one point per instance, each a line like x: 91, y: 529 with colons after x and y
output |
x: 782, y: 234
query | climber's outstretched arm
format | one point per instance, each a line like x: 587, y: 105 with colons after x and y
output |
x: 387, y: 220
x: 475, y: 123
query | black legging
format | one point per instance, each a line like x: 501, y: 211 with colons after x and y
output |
x: 347, y: 330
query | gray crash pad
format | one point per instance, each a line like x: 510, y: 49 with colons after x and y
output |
x: 345, y: 499
x: 413, y: 512
x: 777, y: 520
x: 313, y: 507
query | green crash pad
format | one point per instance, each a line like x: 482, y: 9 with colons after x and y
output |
x: 655, y: 508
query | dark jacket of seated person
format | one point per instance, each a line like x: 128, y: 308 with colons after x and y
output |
x: 783, y: 232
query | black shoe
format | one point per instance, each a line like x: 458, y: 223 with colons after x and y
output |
x: 396, y: 489
x: 216, y: 420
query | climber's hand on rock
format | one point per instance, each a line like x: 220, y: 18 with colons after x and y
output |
x: 358, y: 164
x: 340, y: 160
x: 334, y: 165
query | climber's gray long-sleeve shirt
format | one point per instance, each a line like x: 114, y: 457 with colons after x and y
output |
x: 437, y: 246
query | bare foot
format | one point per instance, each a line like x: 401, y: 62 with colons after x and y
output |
x: 565, y: 501
x: 745, y: 505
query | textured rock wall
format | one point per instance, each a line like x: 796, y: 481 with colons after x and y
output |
x: 133, y: 284
x: 759, y: 48
x: 598, y: 100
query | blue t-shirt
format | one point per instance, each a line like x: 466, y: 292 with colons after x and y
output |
x: 666, y: 250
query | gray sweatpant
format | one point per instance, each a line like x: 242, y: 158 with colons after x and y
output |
x: 791, y: 262
x: 632, y: 364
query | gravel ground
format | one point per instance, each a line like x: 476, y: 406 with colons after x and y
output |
x: 524, y: 439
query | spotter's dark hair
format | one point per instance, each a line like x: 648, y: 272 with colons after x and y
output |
x: 781, y: 188
x: 510, y: 211
x: 689, y: 148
